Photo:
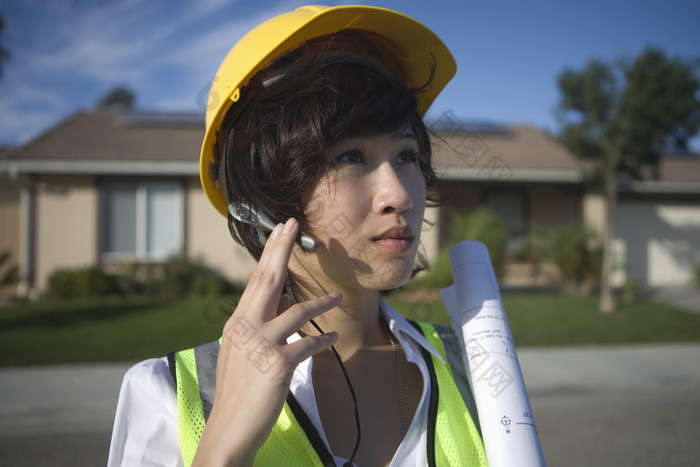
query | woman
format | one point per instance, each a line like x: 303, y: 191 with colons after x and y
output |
x: 315, y: 122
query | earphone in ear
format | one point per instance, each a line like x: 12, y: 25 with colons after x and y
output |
x: 248, y: 214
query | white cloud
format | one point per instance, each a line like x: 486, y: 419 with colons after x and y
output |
x: 68, y: 53
x: 200, y: 56
x: 26, y: 109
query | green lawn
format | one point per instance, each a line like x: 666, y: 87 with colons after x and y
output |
x: 134, y: 329
x: 99, y: 330
x: 552, y: 319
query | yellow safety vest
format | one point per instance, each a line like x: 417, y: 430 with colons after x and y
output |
x: 453, y: 436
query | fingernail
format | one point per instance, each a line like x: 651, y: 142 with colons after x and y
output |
x: 288, y: 225
x: 275, y: 231
x: 332, y: 336
x: 335, y: 296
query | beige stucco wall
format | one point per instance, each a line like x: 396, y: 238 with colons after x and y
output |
x: 208, y: 239
x: 66, y: 223
x: 593, y: 210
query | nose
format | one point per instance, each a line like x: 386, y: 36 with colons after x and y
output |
x: 391, y: 194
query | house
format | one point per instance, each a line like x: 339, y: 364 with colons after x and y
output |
x: 104, y: 187
x: 529, y: 179
x: 658, y: 225
x: 519, y: 173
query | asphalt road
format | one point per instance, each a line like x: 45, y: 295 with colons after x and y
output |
x: 617, y: 406
x: 603, y: 406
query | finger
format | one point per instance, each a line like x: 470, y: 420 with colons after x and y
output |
x: 272, y: 266
x: 278, y: 246
x: 308, y: 346
x: 295, y: 317
x: 265, y: 285
x: 284, y: 303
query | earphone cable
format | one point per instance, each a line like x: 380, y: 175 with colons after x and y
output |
x: 292, y: 297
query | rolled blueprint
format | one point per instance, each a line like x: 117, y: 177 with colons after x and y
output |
x: 474, y: 305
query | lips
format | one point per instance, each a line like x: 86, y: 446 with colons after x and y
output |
x: 396, y: 239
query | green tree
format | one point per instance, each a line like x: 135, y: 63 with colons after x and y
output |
x: 119, y: 97
x: 620, y: 117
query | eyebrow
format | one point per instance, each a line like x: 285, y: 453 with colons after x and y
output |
x: 407, y: 134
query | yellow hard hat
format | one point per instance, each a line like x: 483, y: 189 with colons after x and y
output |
x: 400, y: 39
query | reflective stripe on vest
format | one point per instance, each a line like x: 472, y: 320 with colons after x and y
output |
x: 453, y: 436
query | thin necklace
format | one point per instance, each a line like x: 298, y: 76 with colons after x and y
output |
x: 397, y: 355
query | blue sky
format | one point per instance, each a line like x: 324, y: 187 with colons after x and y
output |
x: 68, y: 53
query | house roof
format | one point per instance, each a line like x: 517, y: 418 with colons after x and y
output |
x: 109, y: 142
x: 680, y: 168
x: 676, y: 174
x: 114, y: 136
x: 513, y: 153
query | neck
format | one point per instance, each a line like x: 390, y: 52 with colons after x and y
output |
x: 357, y: 319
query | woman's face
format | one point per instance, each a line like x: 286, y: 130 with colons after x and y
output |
x: 367, y: 212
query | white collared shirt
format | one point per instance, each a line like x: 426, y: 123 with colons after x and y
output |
x: 145, y: 426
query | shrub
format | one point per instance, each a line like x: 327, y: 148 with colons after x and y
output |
x: 182, y: 277
x: 83, y: 283
x: 11, y: 274
x: 574, y: 249
x: 176, y: 277
x: 211, y: 286
x: 481, y: 225
x: 440, y: 274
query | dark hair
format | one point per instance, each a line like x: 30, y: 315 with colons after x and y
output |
x: 275, y: 148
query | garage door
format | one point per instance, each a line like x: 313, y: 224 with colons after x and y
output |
x: 660, y: 241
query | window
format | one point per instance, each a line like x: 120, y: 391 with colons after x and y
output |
x: 143, y: 220
x: 508, y: 206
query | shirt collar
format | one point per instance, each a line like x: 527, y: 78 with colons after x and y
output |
x: 400, y: 327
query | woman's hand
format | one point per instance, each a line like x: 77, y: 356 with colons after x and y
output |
x: 255, y: 363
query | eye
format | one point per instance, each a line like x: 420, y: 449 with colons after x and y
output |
x: 409, y: 156
x: 353, y: 156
